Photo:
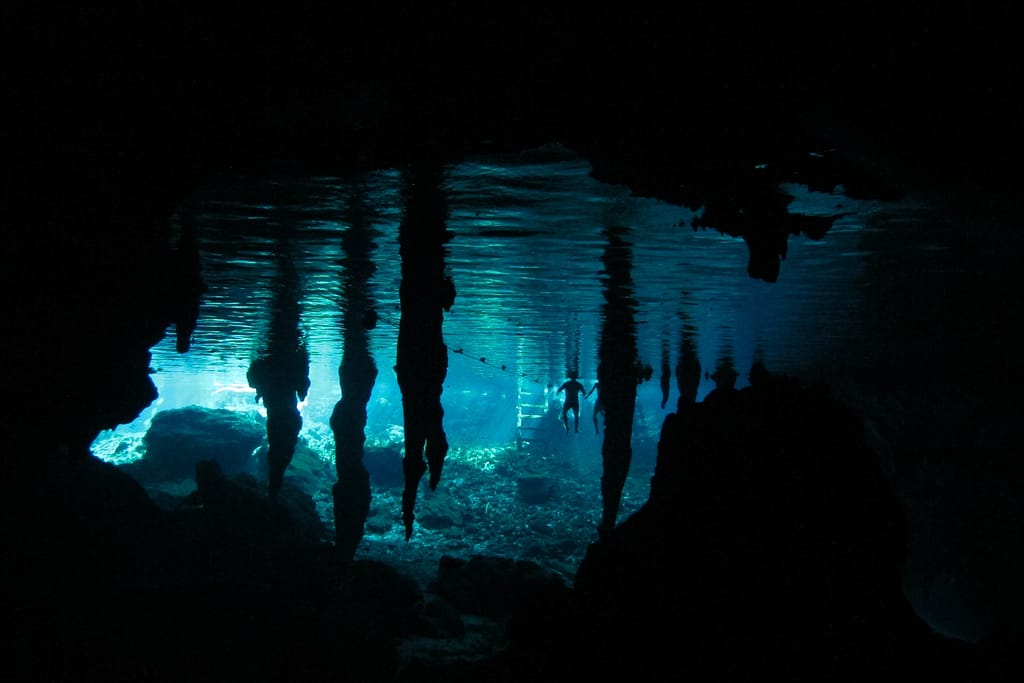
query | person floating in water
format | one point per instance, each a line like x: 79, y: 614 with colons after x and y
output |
x: 598, y: 404
x: 572, y: 389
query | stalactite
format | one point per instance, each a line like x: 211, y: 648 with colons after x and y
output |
x: 617, y: 372
x: 688, y: 370
x: 357, y: 376
x: 281, y: 374
x: 425, y: 292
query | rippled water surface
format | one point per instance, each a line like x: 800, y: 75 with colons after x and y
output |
x: 528, y: 233
x: 905, y: 301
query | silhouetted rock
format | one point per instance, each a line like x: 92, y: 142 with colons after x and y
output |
x: 438, y: 511
x: 770, y: 545
x: 536, y: 489
x: 493, y: 586
x: 236, y: 510
x: 307, y: 471
x: 178, y: 439
x: 425, y: 293
x: 378, y: 598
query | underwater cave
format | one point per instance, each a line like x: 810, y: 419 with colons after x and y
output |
x: 293, y: 302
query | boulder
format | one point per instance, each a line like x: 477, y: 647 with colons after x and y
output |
x: 494, y: 587
x: 178, y: 439
x: 771, y: 545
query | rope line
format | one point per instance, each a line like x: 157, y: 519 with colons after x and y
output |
x: 502, y: 367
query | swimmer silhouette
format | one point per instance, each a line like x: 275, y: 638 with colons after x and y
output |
x: 572, y: 389
x: 598, y: 404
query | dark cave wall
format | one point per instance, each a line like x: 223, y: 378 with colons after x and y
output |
x: 117, y: 114
x: 771, y: 542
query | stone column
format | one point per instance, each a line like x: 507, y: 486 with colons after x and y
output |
x: 357, y: 375
x: 280, y: 375
x: 617, y: 372
x: 425, y: 292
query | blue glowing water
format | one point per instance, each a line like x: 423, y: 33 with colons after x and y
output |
x: 867, y: 306
x: 526, y: 262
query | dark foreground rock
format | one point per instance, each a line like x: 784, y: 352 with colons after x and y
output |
x: 771, y: 546
x: 101, y: 583
x: 494, y: 587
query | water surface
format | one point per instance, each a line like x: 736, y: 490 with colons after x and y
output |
x: 525, y: 257
x: 889, y: 307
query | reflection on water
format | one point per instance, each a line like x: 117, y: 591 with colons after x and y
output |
x: 556, y: 272
x: 526, y: 260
